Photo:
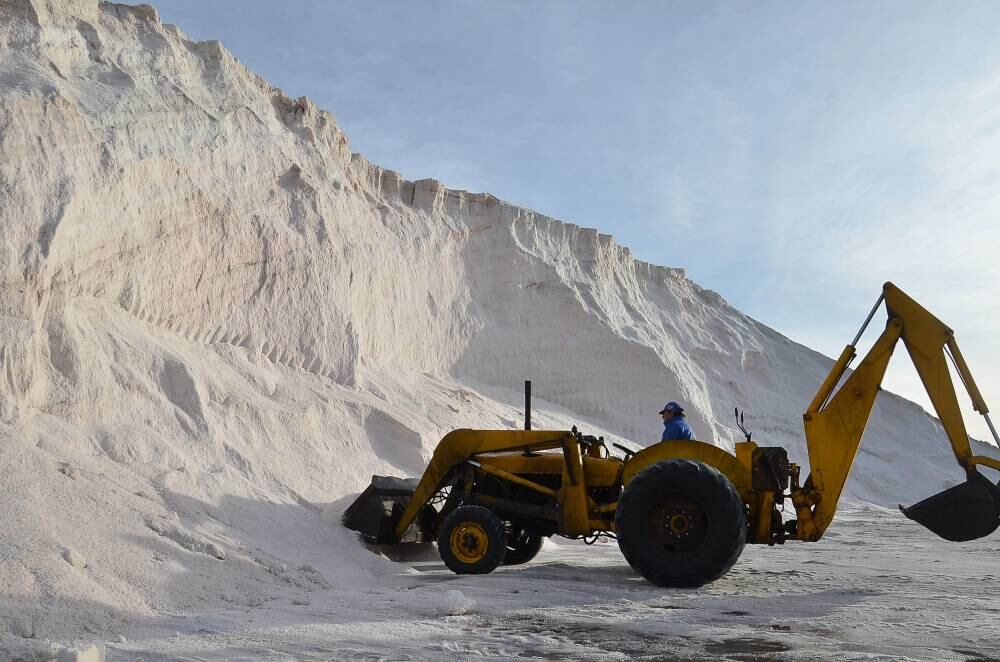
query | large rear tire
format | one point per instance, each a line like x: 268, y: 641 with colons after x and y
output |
x: 681, y: 523
x: 472, y: 540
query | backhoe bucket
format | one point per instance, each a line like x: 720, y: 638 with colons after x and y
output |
x: 375, y: 513
x: 965, y: 512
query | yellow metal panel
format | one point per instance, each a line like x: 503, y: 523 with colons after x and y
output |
x: 834, y: 434
x: 572, y: 495
x: 760, y: 524
x: 601, y: 472
x: 519, y: 463
x: 597, y: 472
x: 925, y: 337
x: 744, y: 453
x: 836, y: 372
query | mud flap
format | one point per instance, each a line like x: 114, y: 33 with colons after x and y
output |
x: 965, y: 512
x: 377, y: 510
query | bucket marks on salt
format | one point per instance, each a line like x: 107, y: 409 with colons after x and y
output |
x: 575, y: 634
x: 207, y: 333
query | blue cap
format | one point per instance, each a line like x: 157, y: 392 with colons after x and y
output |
x: 673, y: 408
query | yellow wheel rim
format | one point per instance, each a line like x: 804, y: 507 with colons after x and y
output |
x: 469, y: 542
x: 679, y: 523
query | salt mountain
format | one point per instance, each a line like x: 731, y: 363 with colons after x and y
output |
x: 217, y: 322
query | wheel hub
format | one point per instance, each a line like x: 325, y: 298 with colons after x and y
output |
x: 678, y: 525
x: 469, y: 542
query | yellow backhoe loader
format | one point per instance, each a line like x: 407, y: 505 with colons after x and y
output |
x: 681, y: 510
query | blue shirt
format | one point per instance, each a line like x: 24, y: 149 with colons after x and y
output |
x: 676, y: 428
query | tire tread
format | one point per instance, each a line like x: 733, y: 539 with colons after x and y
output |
x: 730, y: 525
x: 496, y: 533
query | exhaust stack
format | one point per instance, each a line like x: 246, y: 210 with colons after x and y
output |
x: 527, y: 404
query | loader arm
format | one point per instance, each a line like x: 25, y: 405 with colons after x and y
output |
x: 458, y: 446
x: 835, y: 421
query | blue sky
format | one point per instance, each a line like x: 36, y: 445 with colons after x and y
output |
x: 790, y: 156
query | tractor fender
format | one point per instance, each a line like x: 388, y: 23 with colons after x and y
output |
x: 699, y: 451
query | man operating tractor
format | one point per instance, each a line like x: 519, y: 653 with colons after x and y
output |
x: 675, y: 426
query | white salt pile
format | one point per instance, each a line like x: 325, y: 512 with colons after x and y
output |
x: 217, y: 322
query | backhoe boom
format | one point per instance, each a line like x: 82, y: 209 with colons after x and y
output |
x: 836, y: 421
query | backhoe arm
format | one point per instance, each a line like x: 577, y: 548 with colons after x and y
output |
x: 834, y: 425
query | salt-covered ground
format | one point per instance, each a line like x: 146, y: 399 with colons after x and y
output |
x: 877, y: 587
x: 217, y: 322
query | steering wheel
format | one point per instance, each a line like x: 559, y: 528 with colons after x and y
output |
x: 628, y: 451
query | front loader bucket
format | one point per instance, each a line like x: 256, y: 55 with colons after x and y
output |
x: 375, y: 513
x: 967, y: 511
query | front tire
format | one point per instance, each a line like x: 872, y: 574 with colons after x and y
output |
x: 472, y: 540
x: 681, y: 523
x: 521, y: 546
